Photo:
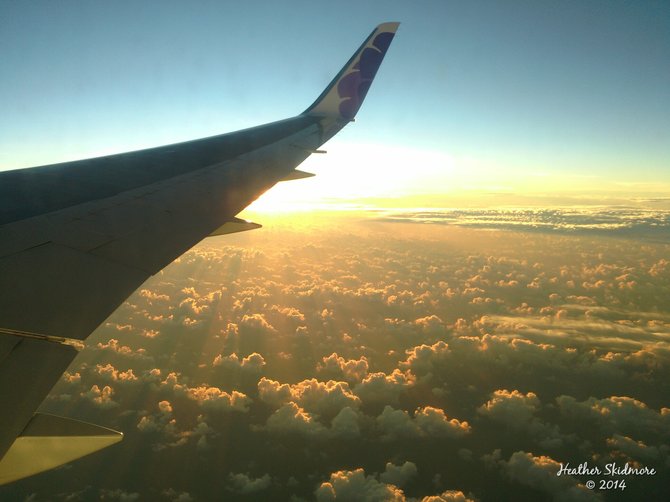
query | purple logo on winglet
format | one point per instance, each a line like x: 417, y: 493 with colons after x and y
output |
x: 354, y: 86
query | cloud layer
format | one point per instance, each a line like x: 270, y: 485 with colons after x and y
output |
x: 396, y: 361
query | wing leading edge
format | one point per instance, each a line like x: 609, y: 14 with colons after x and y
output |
x: 78, y: 238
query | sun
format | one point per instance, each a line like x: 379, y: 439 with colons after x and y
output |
x: 351, y: 174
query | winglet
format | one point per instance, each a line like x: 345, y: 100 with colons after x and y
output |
x: 344, y: 95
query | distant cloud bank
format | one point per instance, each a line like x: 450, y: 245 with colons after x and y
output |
x: 612, y: 220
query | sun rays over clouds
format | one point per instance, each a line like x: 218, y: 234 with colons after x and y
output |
x: 390, y: 360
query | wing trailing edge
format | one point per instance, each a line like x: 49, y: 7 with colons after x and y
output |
x: 235, y: 225
x: 298, y: 175
x: 49, y: 441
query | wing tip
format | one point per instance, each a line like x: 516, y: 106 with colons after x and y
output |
x: 346, y: 92
x: 390, y: 26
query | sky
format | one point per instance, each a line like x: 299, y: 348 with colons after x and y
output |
x: 471, y: 293
x: 474, y: 98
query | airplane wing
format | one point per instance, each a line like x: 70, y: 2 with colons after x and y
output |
x: 78, y: 238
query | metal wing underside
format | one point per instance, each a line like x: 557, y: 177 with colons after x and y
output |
x: 105, y: 226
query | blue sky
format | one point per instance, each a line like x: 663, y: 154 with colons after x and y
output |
x: 516, y: 95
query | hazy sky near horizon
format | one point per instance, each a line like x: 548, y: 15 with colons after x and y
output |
x: 511, y: 97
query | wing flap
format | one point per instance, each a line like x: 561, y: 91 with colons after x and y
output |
x: 235, y: 225
x: 298, y: 175
x: 27, y: 374
x: 49, y: 441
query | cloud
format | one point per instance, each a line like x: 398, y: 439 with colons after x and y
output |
x: 214, y: 399
x: 153, y: 296
x: 423, y: 359
x: 618, y: 415
x: 72, y: 378
x: 630, y: 222
x: 428, y: 422
x: 273, y: 392
x: 510, y: 333
x: 346, y: 424
x: 114, y: 346
x: 161, y: 421
x: 540, y: 473
x: 291, y: 418
x: 101, y: 397
x: 252, y: 363
x: 290, y: 313
x: 245, y: 484
x: 381, y: 388
x: 634, y: 450
x: 356, y: 486
x: 431, y: 324
x: 176, y: 496
x: 448, y: 496
x: 110, y: 373
x: 514, y: 409
x: 324, y: 398
x: 398, y: 475
x: 351, y: 370
x: 118, y: 494
x: 255, y: 323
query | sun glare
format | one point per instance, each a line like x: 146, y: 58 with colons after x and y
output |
x: 350, y: 173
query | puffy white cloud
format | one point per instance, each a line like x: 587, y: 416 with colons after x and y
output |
x: 382, y: 388
x: 113, y: 345
x: 540, y: 473
x: 633, y: 450
x: 255, y: 323
x: 291, y: 418
x: 433, y: 422
x: 290, y: 313
x: 214, y: 399
x: 273, y: 392
x: 448, y: 496
x: 431, y: 325
x: 118, y: 494
x: 253, y: 362
x: 618, y: 414
x: 72, y: 378
x: 108, y: 372
x: 427, y: 422
x: 398, y: 475
x: 423, y: 359
x: 176, y: 496
x: 245, y: 484
x: 101, y: 397
x: 514, y: 409
x: 346, y: 424
x: 153, y: 296
x: 324, y: 398
x: 351, y: 370
x: 355, y: 486
x: 161, y: 421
